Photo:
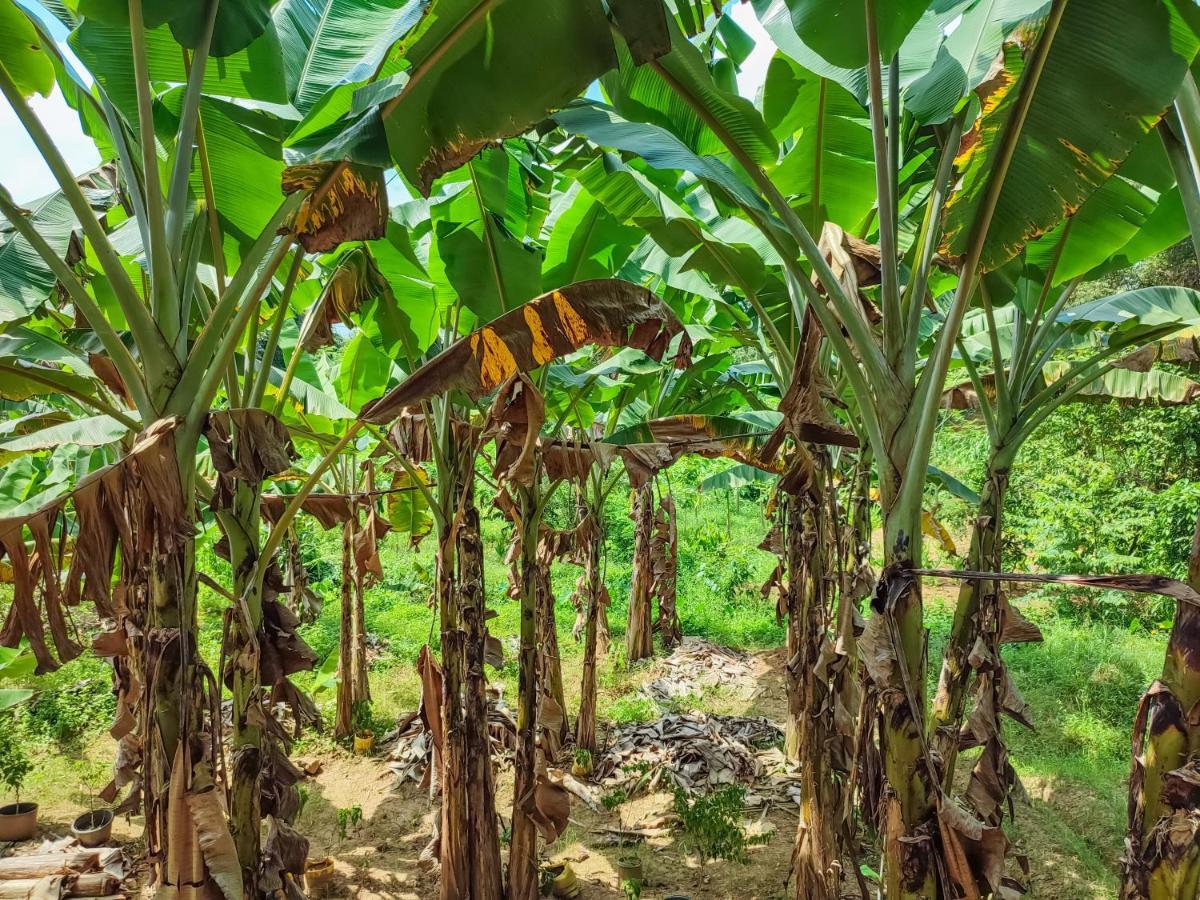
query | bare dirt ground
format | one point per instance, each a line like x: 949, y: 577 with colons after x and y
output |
x: 378, y: 858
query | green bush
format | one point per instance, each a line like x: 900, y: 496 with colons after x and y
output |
x: 713, y: 823
x: 71, y: 704
x: 1099, y: 488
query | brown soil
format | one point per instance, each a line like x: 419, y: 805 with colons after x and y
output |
x: 379, y: 856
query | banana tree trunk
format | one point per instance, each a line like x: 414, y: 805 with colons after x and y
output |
x: 816, y: 849
x: 468, y: 851
x: 522, y: 855
x: 896, y: 639
x: 585, y: 725
x: 639, y: 637
x: 358, y: 644
x: 550, y: 658
x: 241, y: 527
x: 486, y: 878
x: 1162, y: 859
x: 181, y: 711
x: 947, y: 711
x: 666, y: 566
x: 344, y: 716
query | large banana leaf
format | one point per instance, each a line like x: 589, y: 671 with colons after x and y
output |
x: 951, y: 51
x: 479, y: 71
x: 657, y: 146
x: 726, y: 253
x: 837, y: 29
x: 643, y: 95
x: 363, y: 371
x: 1135, y: 214
x: 20, y: 380
x: 607, y: 312
x: 25, y: 279
x: 253, y: 73
x: 479, y: 251
x: 338, y: 42
x: 1122, y: 320
x: 88, y: 431
x: 245, y: 154
x: 830, y: 169
x: 238, y: 22
x: 953, y: 485
x: 1112, y: 67
x: 330, y: 50
x: 1155, y: 386
x: 736, y: 477
x: 586, y: 240
x: 740, y: 436
x: 776, y: 19
x: 1135, y: 316
x: 20, y: 48
x: 1108, y: 221
x: 410, y: 290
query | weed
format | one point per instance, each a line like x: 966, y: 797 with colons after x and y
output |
x: 713, y: 823
x: 614, y: 798
x: 346, y: 818
x: 633, y: 708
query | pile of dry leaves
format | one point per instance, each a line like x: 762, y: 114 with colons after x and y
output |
x: 698, y: 751
x: 697, y: 666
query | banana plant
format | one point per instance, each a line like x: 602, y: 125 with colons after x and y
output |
x: 1163, y: 856
x: 975, y: 204
x: 189, y: 102
x: 1022, y: 343
x: 698, y: 411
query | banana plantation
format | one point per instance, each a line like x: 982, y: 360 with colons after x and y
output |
x: 505, y: 301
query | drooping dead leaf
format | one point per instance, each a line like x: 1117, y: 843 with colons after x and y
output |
x: 567, y: 459
x: 514, y: 422
x: 107, y: 372
x: 856, y: 264
x: 805, y: 414
x: 248, y: 444
x: 368, y: 565
x: 551, y: 808
x: 933, y: 527
x: 328, y: 509
x: 345, y: 202
x: 355, y: 280
x: 215, y: 842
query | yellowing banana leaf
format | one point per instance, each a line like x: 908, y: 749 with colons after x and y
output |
x: 608, y: 312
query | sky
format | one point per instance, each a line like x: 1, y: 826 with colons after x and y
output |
x: 27, y: 177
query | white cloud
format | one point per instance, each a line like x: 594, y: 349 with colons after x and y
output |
x: 24, y: 172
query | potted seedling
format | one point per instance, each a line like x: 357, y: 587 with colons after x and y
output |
x: 630, y: 873
x: 363, y: 722
x: 318, y: 873
x: 582, y: 766
x: 94, y: 827
x: 18, y: 821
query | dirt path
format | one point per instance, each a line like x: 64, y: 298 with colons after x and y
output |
x: 378, y: 858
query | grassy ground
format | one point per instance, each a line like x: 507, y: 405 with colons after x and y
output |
x: 1083, y: 684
